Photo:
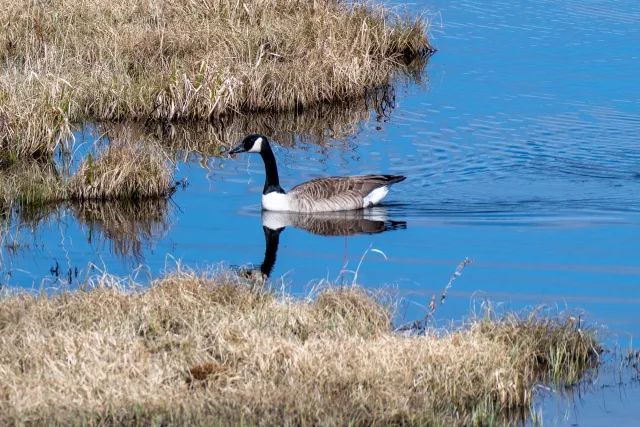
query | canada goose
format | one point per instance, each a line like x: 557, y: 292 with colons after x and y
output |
x: 317, y: 195
x: 347, y: 223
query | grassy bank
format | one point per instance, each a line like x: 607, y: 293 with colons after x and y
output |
x: 209, y: 349
x: 68, y: 61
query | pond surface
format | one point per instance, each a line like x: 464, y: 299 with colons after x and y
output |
x: 521, y: 148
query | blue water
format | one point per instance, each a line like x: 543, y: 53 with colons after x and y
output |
x: 521, y: 150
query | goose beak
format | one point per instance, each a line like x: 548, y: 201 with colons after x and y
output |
x: 238, y: 149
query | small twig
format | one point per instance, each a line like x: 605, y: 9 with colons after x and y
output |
x: 420, y: 325
x: 454, y: 276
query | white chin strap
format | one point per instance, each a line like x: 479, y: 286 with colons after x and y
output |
x: 257, y: 146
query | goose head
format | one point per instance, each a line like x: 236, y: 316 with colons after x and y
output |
x: 257, y: 143
x: 251, y: 144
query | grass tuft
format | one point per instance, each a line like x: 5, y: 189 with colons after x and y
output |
x: 123, y: 170
x: 562, y: 353
x: 354, y: 309
x: 209, y: 348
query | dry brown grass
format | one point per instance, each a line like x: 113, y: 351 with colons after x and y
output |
x: 208, y: 349
x: 125, y: 170
x: 33, y: 114
x: 30, y: 183
x: 66, y: 61
x: 121, y: 170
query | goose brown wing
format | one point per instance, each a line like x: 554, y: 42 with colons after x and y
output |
x: 337, y: 193
x: 325, y: 188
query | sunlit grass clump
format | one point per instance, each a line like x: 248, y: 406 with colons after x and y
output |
x: 68, y: 61
x: 211, y: 349
x: 123, y: 170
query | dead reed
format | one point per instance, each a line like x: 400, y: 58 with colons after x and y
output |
x: 68, y: 61
x: 208, y: 348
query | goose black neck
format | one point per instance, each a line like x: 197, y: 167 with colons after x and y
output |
x: 272, y: 181
x: 272, y: 239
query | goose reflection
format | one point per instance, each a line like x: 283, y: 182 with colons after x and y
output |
x: 345, y: 223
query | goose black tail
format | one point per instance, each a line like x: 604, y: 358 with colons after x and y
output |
x: 392, y: 179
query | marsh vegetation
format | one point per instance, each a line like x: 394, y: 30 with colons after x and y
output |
x: 120, y: 170
x: 160, y: 72
x: 66, y: 62
x: 211, y: 347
